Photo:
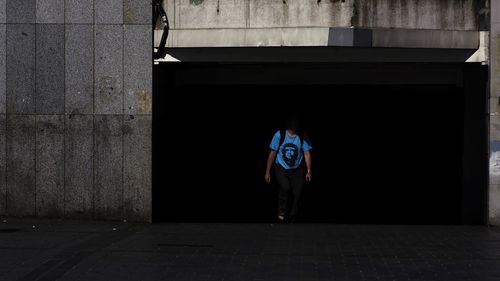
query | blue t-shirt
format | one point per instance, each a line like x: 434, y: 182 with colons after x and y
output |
x: 291, y: 152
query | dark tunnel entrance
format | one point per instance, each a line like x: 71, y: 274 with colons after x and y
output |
x: 392, y: 143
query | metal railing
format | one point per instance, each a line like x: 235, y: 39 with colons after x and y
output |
x: 158, y: 11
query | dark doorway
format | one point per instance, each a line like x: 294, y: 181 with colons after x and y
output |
x: 382, y: 153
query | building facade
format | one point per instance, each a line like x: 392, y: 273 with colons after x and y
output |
x: 76, y: 84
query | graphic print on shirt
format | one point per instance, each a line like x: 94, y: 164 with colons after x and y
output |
x: 290, y: 154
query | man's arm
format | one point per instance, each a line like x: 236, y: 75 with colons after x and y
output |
x: 307, y: 157
x: 270, y: 160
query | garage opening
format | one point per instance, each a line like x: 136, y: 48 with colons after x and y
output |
x: 385, y: 150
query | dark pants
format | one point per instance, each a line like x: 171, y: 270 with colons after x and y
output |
x: 291, y: 182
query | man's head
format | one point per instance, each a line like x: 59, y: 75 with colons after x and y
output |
x: 293, y: 123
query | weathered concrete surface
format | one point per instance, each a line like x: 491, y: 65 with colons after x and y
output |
x: 50, y: 166
x: 50, y: 69
x: 108, y: 163
x: 20, y: 68
x: 137, y: 167
x: 108, y: 87
x: 79, y: 168
x: 108, y: 11
x: 495, y: 59
x: 50, y: 11
x: 21, y: 177
x: 79, y: 11
x: 137, y: 12
x: 300, y: 13
x: 423, y: 14
x: 494, y: 172
x: 257, y: 23
x: 3, y: 15
x: 138, y: 74
x: 210, y: 14
x: 3, y: 68
x: 61, y: 62
x: 408, y: 38
x: 79, y: 69
x: 21, y: 11
x: 320, y: 36
x: 3, y: 164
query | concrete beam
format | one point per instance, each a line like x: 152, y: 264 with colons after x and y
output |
x: 246, y: 37
x: 320, y: 36
x: 316, y: 54
x: 320, y: 74
x: 350, y: 37
x: 420, y: 38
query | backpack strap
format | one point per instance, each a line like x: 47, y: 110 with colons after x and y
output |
x: 283, y: 136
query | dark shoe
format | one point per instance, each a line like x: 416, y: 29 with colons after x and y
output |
x: 290, y: 219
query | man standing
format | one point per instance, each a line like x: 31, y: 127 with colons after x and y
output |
x: 290, y: 146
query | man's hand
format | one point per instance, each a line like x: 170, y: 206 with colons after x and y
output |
x: 270, y: 160
x: 267, y: 177
x: 308, y: 176
x: 307, y: 157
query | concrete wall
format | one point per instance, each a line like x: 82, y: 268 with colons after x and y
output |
x: 259, y: 23
x: 75, y: 108
x: 494, y: 191
x: 422, y: 14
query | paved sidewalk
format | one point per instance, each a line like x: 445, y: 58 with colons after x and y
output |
x: 83, y: 250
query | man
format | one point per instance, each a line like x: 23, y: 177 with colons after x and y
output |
x: 288, y: 148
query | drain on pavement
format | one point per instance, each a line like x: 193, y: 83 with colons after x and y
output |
x: 185, y: 245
